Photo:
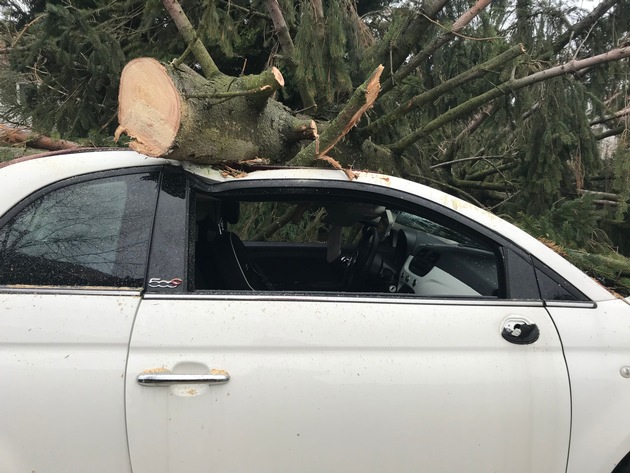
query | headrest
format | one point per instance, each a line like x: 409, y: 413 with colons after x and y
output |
x: 230, y: 210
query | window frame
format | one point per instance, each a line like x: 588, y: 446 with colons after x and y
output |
x: 365, y: 192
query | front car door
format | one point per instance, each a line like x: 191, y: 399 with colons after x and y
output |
x: 405, y: 370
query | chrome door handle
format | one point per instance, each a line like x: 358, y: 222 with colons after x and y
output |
x: 168, y: 379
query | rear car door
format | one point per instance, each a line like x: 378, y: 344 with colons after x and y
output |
x: 363, y: 380
x: 72, y: 264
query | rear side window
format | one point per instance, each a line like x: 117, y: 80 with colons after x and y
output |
x: 92, y: 233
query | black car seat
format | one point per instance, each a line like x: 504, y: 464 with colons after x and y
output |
x: 235, y: 268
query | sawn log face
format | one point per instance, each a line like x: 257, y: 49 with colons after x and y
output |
x: 177, y: 113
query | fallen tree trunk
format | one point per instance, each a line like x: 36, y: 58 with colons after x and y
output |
x: 172, y: 111
x: 175, y: 112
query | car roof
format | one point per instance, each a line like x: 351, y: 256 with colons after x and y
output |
x: 21, y: 177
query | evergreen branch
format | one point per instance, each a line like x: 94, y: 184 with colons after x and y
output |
x: 26, y: 28
x: 480, y: 175
x: 506, y: 199
x: 187, y: 31
x: 177, y: 62
x: 394, y: 52
x: 249, y: 11
x: 281, y: 29
x: 280, y: 26
x: 495, y: 186
x: 434, y: 45
x: 460, y: 35
x: 292, y: 214
x: 14, y: 136
x: 430, y: 95
x: 444, y: 185
x: 621, y: 113
x: 477, y: 120
x: 602, y: 195
x: 580, y: 27
x: 463, y: 160
x: 612, y: 132
x: 506, y: 88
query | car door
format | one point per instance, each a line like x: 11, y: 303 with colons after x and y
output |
x: 72, y: 263
x: 285, y: 381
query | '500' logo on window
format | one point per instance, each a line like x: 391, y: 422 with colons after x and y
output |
x: 172, y: 283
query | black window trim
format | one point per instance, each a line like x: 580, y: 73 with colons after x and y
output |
x: 441, y: 214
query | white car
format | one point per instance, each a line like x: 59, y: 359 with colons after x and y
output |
x: 165, y: 317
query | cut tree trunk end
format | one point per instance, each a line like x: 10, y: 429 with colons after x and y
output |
x: 149, y: 107
x: 177, y: 113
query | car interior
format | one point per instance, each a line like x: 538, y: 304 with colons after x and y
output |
x: 294, y: 243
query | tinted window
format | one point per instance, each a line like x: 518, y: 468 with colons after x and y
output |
x: 555, y: 288
x: 93, y: 233
x: 521, y: 279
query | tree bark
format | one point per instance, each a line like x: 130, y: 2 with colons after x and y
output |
x: 361, y: 101
x: 177, y: 113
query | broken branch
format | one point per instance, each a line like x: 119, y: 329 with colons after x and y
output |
x: 361, y: 101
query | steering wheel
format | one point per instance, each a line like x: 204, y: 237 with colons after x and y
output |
x: 361, y: 259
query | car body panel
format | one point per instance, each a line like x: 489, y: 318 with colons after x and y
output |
x: 597, y: 346
x: 46, y: 170
x: 19, y: 180
x: 307, y: 365
x: 345, y: 384
x: 62, y: 359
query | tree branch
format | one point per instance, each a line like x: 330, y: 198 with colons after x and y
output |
x: 288, y: 48
x: 393, y: 53
x: 580, y: 27
x: 187, y: 31
x: 504, y: 89
x: 464, y: 160
x: 14, y: 136
x: 612, y: 132
x: 436, y: 92
x: 290, y: 215
x: 434, y: 45
x: 621, y: 113
x: 361, y: 101
x: 473, y: 125
x: 481, y: 175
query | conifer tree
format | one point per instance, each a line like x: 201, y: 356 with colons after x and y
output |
x: 505, y: 103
